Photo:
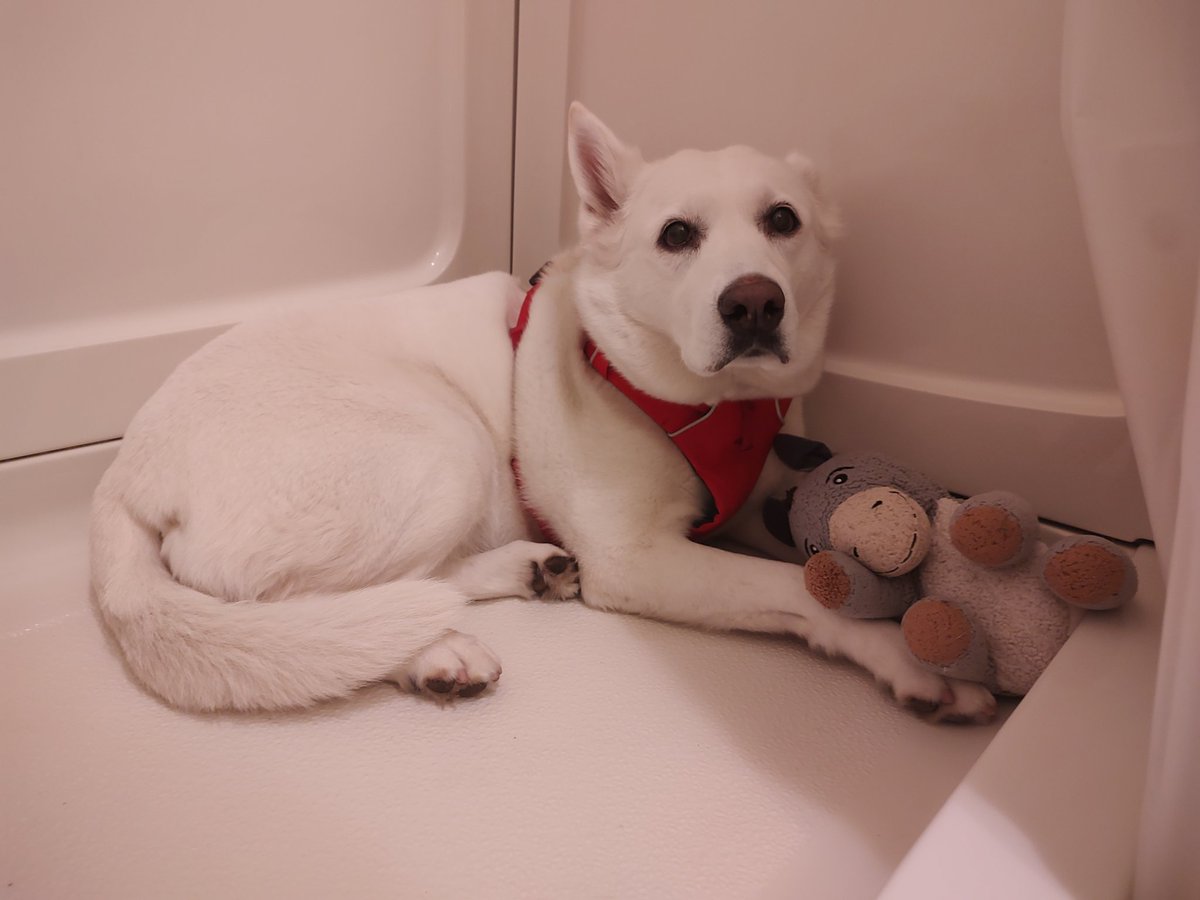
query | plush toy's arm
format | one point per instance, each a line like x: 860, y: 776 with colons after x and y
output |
x: 841, y: 583
x: 994, y: 530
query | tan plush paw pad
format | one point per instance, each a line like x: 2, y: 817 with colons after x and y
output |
x: 826, y: 581
x: 1086, y: 575
x: 987, y: 535
x: 937, y: 633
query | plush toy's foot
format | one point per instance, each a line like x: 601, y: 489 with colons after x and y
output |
x: 1090, y: 572
x: 841, y: 583
x: 995, y: 529
x: 943, y: 638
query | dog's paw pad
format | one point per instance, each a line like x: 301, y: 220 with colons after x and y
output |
x: 472, y: 690
x: 438, y: 685
x: 555, y: 577
x: 457, y: 666
x: 919, y: 705
x: 556, y: 565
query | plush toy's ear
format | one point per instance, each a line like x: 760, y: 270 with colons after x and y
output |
x: 800, y: 453
x: 601, y: 166
x: 775, y: 516
x: 919, y: 486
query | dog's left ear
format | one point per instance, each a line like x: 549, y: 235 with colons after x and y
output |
x: 828, y: 226
x: 601, y: 165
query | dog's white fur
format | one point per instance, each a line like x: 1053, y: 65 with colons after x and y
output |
x: 309, y: 503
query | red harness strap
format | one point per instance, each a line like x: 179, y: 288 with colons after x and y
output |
x: 726, y: 444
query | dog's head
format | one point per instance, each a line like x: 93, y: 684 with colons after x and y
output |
x: 705, y: 276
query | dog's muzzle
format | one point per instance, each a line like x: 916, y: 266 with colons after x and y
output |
x: 751, y: 308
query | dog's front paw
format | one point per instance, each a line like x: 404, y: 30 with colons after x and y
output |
x: 937, y: 699
x: 973, y: 704
x: 555, y: 576
x: 457, y: 665
x: 523, y: 569
x: 948, y: 702
x: 919, y: 691
x: 879, y: 647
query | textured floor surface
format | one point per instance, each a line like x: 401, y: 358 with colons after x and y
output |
x: 617, y: 758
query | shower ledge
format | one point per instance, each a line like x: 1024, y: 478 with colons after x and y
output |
x: 619, y: 757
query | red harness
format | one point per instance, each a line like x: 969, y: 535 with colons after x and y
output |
x: 726, y: 445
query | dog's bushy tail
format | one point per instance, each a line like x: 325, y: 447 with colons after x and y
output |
x: 200, y: 653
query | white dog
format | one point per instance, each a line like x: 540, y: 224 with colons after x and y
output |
x: 309, y: 503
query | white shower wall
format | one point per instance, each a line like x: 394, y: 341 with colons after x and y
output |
x: 168, y: 168
x: 967, y: 337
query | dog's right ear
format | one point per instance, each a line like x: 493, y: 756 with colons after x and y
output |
x: 828, y: 225
x: 800, y: 453
x: 601, y: 165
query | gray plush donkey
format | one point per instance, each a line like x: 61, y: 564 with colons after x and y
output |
x: 981, y: 597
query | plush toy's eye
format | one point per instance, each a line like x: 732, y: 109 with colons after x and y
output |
x: 838, y: 475
x: 812, y: 549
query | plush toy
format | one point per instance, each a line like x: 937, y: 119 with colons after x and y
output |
x: 981, y: 598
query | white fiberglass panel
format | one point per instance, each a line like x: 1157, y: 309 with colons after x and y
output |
x: 937, y: 125
x: 964, y: 275
x: 173, y: 167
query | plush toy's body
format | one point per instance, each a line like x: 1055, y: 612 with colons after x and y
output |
x: 982, y: 598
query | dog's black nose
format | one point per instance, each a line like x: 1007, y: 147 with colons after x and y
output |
x: 751, y: 306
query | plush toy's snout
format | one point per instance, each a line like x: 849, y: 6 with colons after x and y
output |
x: 883, y: 528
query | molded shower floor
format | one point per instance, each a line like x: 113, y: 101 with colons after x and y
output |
x: 618, y: 758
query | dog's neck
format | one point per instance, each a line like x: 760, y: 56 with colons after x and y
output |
x: 725, y: 442
x: 649, y: 362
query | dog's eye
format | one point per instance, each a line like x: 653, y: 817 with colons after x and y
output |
x: 678, y: 235
x: 782, y: 220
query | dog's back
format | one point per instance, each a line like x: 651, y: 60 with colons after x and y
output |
x: 331, y: 459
